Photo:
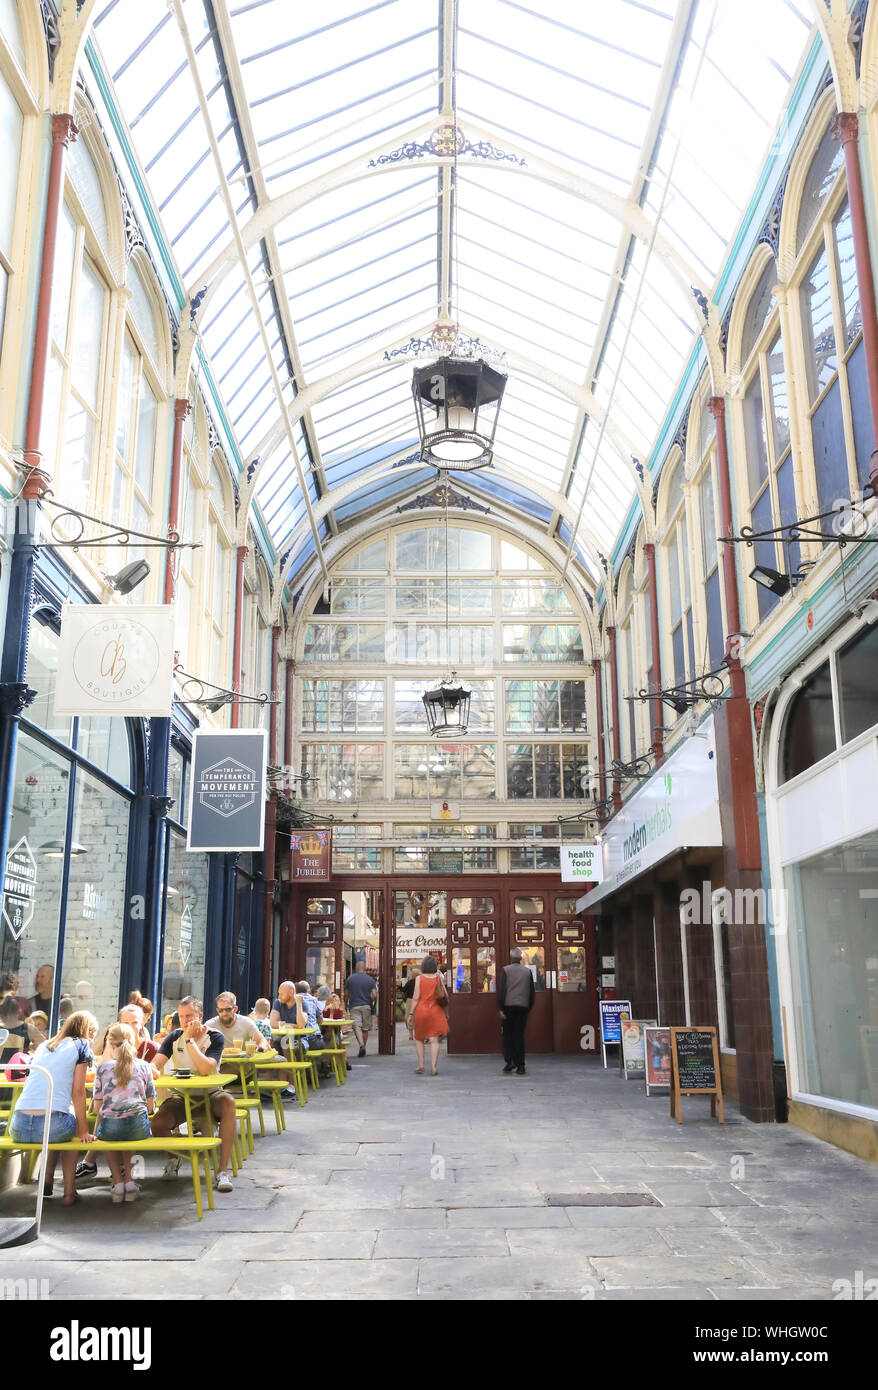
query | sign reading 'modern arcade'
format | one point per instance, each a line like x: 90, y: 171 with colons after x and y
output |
x: 227, y: 790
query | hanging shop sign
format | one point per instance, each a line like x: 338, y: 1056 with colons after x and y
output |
x: 695, y: 1069
x: 311, y: 854
x: 633, y: 1048
x: 115, y: 660
x: 19, y: 888
x: 677, y: 808
x: 227, y: 790
x: 581, y: 864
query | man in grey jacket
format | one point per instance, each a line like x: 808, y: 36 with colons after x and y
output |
x: 515, y: 995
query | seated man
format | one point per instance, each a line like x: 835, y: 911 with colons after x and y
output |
x: 312, y: 1008
x: 287, y: 1009
x: 197, y: 1050
x: 235, y: 1028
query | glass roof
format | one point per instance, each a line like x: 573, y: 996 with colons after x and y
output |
x: 574, y: 124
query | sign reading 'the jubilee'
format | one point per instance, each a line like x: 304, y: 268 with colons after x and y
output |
x: 311, y: 854
x: 227, y: 790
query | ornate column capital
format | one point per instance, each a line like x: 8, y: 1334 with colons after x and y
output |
x: 846, y: 127
x: 181, y: 409
x: 15, y: 696
x: 717, y: 407
x: 64, y: 130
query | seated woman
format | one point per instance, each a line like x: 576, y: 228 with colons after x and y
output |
x: 66, y: 1057
x: 132, y: 1014
x: 124, y: 1099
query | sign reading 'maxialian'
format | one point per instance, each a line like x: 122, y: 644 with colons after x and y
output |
x: 227, y: 790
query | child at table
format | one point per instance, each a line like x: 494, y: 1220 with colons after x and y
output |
x: 124, y: 1098
x: 260, y: 1016
x: 333, y: 1007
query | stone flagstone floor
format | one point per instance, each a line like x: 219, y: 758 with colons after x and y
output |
x: 402, y: 1186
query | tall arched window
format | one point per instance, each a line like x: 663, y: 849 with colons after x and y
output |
x: 828, y: 306
x: 79, y: 331
x: 218, y: 591
x: 679, y: 657
x: 770, y: 484
x: 628, y: 677
x: 702, y: 444
x: 192, y: 563
x: 11, y: 133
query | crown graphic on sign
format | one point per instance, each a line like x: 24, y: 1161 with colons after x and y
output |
x: 311, y: 844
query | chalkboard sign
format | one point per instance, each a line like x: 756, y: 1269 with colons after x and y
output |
x: 695, y: 1068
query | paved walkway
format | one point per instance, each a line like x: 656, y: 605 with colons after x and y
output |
x: 401, y: 1186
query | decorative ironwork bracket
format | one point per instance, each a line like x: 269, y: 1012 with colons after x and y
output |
x: 598, y: 810
x: 849, y: 528
x: 120, y: 535
x: 709, y: 687
x: 222, y: 695
x: 638, y: 768
x: 443, y: 495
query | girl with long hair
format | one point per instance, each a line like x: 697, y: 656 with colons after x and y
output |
x: 124, y: 1099
x: 66, y: 1057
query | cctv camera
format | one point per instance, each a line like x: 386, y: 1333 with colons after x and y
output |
x: 868, y: 610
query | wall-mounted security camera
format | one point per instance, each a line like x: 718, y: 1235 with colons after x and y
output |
x: 866, y: 611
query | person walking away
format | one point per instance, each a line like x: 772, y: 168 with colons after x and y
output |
x: 124, y: 1099
x: 431, y: 1021
x: 515, y: 997
x: 361, y: 994
x: 66, y: 1057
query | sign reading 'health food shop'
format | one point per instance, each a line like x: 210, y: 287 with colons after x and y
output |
x: 227, y: 790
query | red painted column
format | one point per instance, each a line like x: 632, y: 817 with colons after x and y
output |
x: 614, y: 697
x: 845, y: 128
x: 238, y: 631
x: 717, y: 407
x: 64, y: 132
x: 181, y: 410
x: 655, y: 706
x: 269, y: 864
x: 599, y: 714
x: 288, y: 712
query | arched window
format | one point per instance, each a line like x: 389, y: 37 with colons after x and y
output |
x: 134, y: 497
x: 79, y: 332
x: 628, y: 675
x: 218, y: 592
x: 19, y: 134
x: 11, y: 131
x: 702, y: 442
x: 769, y: 481
x: 679, y: 657
x: 192, y: 564
x: 835, y: 392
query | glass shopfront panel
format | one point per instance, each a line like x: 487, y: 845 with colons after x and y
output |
x: 185, y: 924
x: 96, y: 897
x: 833, y: 907
x: 34, y: 872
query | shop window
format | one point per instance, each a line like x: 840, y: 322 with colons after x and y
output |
x: 566, y: 906
x: 858, y: 684
x: 185, y: 924
x: 37, y: 837
x: 541, y: 849
x: 529, y: 905
x: 810, y: 727
x: 833, y: 911
x: 42, y: 672
x: 96, y: 896
x: 469, y: 907
x: 103, y: 740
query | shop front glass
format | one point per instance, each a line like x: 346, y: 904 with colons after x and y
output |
x: 833, y: 911
x: 185, y: 923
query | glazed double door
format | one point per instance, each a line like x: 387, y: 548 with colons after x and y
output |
x: 470, y: 930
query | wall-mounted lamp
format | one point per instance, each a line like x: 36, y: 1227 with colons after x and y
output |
x: 129, y: 576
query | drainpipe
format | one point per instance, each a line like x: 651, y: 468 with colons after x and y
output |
x: 614, y: 699
x: 845, y: 128
x: 270, y: 826
x: 238, y: 636
x: 599, y: 702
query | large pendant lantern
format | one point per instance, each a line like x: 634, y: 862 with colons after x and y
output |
x: 448, y: 708
x: 457, y: 404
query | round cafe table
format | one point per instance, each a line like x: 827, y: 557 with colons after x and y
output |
x: 286, y: 1030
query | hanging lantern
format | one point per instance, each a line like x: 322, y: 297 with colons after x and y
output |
x: 457, y: 404
x: 447, y: 708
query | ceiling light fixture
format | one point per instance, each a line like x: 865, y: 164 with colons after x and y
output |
x: 457, y: 404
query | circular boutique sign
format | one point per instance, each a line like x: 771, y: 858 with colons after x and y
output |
x: 116, y: 660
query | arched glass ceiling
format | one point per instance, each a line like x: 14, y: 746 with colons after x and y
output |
x: 573, y: 115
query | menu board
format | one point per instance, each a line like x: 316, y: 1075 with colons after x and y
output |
x: 633, y: 1051
x: 695, y: 1068
x: 657, y: 1056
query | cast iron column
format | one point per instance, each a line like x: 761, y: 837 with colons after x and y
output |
x: 181, y: 410
x: 614, y: 699
x: 599, y: 714
x: 655, y: 706
x: 238, y: 632
x: 270, y: 825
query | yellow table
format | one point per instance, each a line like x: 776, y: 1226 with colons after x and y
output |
x: 336, y: 1022
x: 189, y: 1086
x: 244, y: 1062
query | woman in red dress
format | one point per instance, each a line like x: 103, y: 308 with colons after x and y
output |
x: 430, y: 1018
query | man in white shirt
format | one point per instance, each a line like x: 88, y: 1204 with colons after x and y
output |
x: 235, y: 1028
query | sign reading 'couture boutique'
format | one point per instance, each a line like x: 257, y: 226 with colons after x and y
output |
x: 115, y: 660
x: 226, y: 802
